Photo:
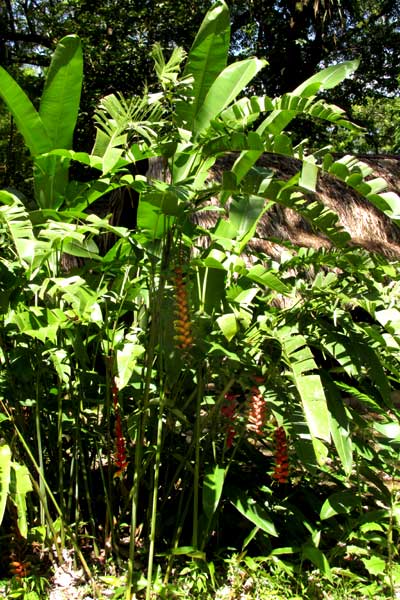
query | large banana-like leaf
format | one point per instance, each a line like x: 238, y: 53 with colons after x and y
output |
x: 226, y: 87
x: 53, y: 126
x: 283, y: 113
x: 327, y: 78
x: 50, y: 180
x: 26, y: 116
x: 207, y: 58
x: 59, y: 104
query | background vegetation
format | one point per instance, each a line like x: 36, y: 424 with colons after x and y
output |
x: 297, y: 39
x: 179, y: 417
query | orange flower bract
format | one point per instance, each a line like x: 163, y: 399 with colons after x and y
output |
x: 182, y: 325
x: 257, y: 411
x: 281, y: 470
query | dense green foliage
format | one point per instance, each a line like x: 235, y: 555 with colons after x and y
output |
x: 157, y: 394
x: 297, y: 39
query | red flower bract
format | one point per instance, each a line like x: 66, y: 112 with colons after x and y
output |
x: 258, y: 411
x: 281, y: 470
x: 228, y: 410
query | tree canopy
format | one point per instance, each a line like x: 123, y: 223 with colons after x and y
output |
x: 296, y: 37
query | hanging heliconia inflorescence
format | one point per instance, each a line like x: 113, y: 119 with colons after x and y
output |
x: 281, y: 470
x: 257, y: 411
x: 120, y: 457
x: 182, y: 325
x: 228, y: 411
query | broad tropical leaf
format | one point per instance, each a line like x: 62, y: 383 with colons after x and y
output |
x: 251, y: 510
x: 212, y: 489
x: 295, y: 103
x: 207, y: 58
x: 59, y: 103
x: 226, y: 87
x: 26, y: 116
x: 299, y: 358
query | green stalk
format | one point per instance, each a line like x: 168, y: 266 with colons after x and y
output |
x: 92, y: 521
x: 154, y: 499
x: 108, y: 525
x: 75, y: 545
x: 139, y: 453
x: 180, y: 520
x: 134, y: 508
x: 154, y: 310
x: 43, y: 504
x: 60, y: 461
x: 196, y: 476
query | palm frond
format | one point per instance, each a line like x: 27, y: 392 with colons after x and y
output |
x: 120, y: 121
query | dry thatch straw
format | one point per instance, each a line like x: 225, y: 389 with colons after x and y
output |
x: 367, y: 226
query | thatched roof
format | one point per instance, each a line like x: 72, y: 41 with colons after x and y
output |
x: 367, y: 226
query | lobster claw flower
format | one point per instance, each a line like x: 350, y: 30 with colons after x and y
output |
x: 281, y: 469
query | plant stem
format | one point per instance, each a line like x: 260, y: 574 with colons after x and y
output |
x: 155, y: 497
x: 43, y: 504
x: 196, y: 477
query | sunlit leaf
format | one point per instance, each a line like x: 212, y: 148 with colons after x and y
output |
x: 251, y: 510
x: 5, y: 477
x: 212, y: 489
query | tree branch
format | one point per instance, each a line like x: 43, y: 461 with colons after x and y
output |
x: 28, y: 38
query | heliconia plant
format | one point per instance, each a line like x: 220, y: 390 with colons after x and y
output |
x: 181, y: 339
x: 183, y: 334
x: 257, y: 411
x: 281, y: 467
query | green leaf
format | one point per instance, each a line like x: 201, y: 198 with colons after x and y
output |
x: 126, y: 362
x: 314, y: 405
x: 244, y: 215
x: 5, y: 477
x: 318, y: 559
x: 374, y: 565
x: 207, y: 58
x: 229, y: 83
x: 20, y: 485
x: 339, y: 503
x: 308, y: 177
x: 300, y: 359
x: 85, y: 249
x: 292, y: 105
x: 339, y: 426
x: 189, y: 551
x: 16, y: 219
x: 26, y: 117
x: 50, y: 180
x: 212, y: 490
x: 228, y: 325
x: 251, y: 510
x: 327, y: 78
x: 266, y: 277
x: 59, y: 104
x: 389, y: 430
